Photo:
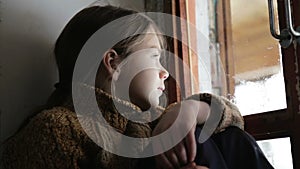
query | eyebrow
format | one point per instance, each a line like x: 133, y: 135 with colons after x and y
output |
x: 156, y: 47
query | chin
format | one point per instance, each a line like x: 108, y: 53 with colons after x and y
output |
x: 146, y: 102
x: 150, y: 104
x: 154, y: 102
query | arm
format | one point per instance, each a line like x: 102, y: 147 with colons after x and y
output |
x: 215, y: 112
x: 223, y: 108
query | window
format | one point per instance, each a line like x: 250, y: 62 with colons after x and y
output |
x: 243, y: 52
x: 278, y: 152
x: 244, y: 63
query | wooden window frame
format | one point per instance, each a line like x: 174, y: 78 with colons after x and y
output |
x: 185, y: 10
x: 266, y: 125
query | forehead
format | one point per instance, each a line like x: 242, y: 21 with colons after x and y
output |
x: 150, y: 40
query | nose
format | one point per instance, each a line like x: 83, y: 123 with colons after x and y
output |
x: 163, y: 74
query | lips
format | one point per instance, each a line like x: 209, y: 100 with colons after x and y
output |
x: 161, y: 88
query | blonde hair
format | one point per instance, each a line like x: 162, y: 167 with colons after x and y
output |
x: 83, y: 25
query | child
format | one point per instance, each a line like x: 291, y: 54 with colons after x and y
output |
x: 61, y: 137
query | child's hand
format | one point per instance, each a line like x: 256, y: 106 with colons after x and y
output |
x: 185, y: 151
x: 193, y: 166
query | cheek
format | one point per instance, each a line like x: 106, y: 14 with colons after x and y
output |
x: 138, y: 93
x: 143, y: 88
x: 140, y: 85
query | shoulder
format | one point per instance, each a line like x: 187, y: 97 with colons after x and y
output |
x: 54, y: 115
x: 57, y: 123
x: 51, y: 138
x: 60, y: 121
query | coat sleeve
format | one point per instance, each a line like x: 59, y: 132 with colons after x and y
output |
x: 224, y: 112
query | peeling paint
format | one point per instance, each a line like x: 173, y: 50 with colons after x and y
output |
x: 297, y: 75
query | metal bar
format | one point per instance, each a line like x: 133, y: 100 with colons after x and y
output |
x: 271, y: 19
x: 289, y: 21
x: 285, y: 37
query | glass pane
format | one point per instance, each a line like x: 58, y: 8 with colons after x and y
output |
x: 278, y: 152
x: 243, y: 60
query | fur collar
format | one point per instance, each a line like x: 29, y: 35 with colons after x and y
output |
x: 115, y: 111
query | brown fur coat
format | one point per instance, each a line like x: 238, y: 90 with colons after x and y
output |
x: 54, y: 138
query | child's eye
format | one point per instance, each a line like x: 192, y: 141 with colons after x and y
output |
x: 156, y: 55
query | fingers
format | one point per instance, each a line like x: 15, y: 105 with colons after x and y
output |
x: 191, y: 147
x: 189, y: 166
x: 181, y: 154
x: 173, y: 159
x: 162, y: 162
x: 192, y: 165
x: 201, y: 167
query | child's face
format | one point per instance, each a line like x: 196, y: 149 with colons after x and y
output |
x: 145, y: 73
